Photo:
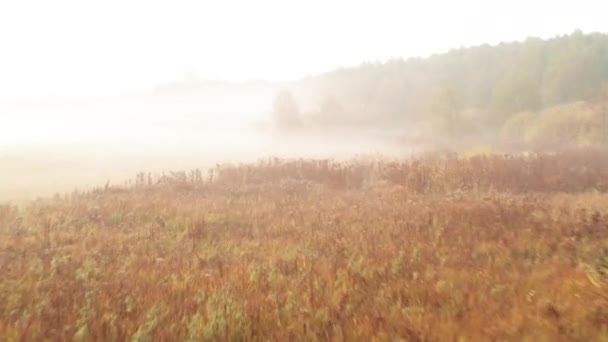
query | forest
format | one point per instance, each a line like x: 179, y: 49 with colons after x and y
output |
x: 534, y: 91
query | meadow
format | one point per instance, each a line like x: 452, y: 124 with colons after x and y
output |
x: 434, y: 247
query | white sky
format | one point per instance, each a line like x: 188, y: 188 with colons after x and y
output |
x: 80, y: 47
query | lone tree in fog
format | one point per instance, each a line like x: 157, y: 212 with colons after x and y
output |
x: 330, y: 111
x: 330, y: 106
x: 285, y: 111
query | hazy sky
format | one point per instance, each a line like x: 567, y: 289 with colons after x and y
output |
x: 79, y: 47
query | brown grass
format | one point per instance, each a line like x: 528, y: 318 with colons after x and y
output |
x: 435, y: 248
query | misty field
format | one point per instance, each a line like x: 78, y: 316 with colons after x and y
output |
x: 437, y: 247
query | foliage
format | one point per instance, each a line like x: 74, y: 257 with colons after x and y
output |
x: 577, y: 123
x: 494, y: 81
x: 285, y: 111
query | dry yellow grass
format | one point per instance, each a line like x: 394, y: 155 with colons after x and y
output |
x: 436, y: 248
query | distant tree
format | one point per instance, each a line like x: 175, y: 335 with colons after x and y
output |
x: 446, y: 105
x: 511, y: 95
x: 330, y: 106
x: 602, y: 99
x: 285, y: 111
x: 516, y: 128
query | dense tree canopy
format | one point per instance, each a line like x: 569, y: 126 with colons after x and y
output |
x: 490, y: 83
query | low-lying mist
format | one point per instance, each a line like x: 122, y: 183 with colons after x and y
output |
x: 57, y: 145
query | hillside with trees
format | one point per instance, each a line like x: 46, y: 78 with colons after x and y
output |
x: 532, y: 87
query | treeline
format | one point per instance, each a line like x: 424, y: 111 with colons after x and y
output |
x: 465, y: 91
